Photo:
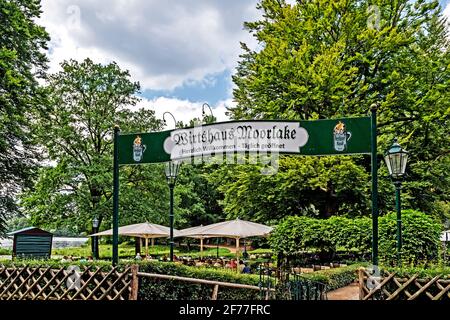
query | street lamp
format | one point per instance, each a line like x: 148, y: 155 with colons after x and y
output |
x: 164, y: 118
x: 95, y: 224
x: 396, y: 158
x: 446, y: 233
x: 171, y: 171
x: 217, y: 249
x: 203, y: 110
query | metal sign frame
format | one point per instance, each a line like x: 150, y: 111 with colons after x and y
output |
x: 318, y: 144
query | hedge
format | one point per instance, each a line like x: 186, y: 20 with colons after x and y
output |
x: 161, y: 289
x: 423, y: 273
x: 335, y: 278
x: 421, y: 234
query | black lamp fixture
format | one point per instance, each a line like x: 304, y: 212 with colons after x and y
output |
x: 95, y: 225
x: 396, y: 158
x: 173, y: 117
x: 171, y: 171
x: 209, y: 107
x: 210, y: 110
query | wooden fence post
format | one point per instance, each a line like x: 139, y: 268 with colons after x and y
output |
x: 361, y: 283
x: 134, y: 282
x: 215, y: 292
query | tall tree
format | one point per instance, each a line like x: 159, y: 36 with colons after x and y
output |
x: 22, y: 62
x: 323, y: 59
x: 86, y: 100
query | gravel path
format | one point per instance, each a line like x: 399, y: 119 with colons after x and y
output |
x: 350, y: 292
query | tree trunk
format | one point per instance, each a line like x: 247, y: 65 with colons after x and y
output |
x: 137, y: 245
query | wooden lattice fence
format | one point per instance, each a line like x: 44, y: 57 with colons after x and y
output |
x: 390, y: 287
x: 47, y: 283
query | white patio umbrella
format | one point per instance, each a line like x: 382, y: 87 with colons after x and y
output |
x: 191, y: 230
x: 144, y: 230
x: 236, y: 229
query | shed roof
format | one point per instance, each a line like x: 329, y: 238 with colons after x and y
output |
x: 29, y: 230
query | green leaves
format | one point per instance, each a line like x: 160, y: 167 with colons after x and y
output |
x: 325, y: 59
x: 86, y: 100
x: 22, y: 62
x: 313, y: 186
x: 421, y: 235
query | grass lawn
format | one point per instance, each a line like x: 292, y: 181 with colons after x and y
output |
x: 127, y: 251
x: 5, y: 252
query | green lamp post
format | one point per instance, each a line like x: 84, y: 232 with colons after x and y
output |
x: 95, y: 225
x: 171, y: 171
x: 396, y: 158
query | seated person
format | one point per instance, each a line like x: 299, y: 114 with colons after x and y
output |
x: 241, y: 265
x: 233, y: 264
x: 246, y: 269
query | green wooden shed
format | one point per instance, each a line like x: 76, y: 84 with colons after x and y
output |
x: 32, y: 243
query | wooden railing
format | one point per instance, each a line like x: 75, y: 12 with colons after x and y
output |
x: 45, y: 283
x: 215, y: 284
x: 390, y: 287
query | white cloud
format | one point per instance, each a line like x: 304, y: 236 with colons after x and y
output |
x: 163, y: 43
x: 183, y: 110
x: 447, y: 11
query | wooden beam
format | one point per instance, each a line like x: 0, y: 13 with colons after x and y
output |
x: 202, y: 281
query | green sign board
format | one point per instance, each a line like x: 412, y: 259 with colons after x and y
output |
x: 311, y: 138
x: 318, y: 137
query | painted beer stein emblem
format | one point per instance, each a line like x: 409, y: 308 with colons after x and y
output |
x: 341, y: 137
x: 138, y: 149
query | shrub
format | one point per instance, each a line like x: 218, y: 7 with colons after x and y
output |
x: 161, y: 289
x: 57, y: 264
x: 350, y: 234
x: 294, y: 234
x: 423, y: 273
x: 335, y: 278
x: 5, y: 252
x: 420, y: 236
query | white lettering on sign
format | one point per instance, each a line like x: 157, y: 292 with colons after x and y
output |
x: 259, y: 137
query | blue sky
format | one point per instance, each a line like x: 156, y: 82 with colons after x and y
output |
x: 183, y: 52
x: 216, y: 88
